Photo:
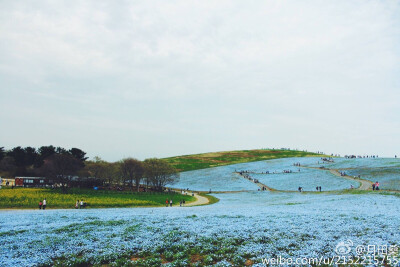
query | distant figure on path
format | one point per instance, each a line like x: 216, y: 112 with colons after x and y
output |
x: 180, y: 203
x: 351, y: 187
x: 377, y: 186
x: 373, y: 187
x: 40, y: 205
x: 320, y: 189
x: 81, y: 206
x: 183, y: 202
x: 300, y: 189
x: 170, y: 203
x: 77, y: 204
x: 317, y: 188
x: 166, y: 202
x: 44, y: 204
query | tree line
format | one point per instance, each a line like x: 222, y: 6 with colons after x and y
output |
x: 71, y: 168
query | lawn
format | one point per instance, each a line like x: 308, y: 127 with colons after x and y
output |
x: 215, y: 159
x: 29, y: 198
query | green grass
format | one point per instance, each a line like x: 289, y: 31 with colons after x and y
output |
x: 211, y: 199
x: 215, y: 159
x: 28, y: 198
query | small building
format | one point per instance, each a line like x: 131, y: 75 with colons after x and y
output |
x: 7, y: 181
x: 33, y: 182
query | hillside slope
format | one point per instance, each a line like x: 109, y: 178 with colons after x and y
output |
x: 215, y: 159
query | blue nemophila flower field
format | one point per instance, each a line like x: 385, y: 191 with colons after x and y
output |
x: 241, y: 229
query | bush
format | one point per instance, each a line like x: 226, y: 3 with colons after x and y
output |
x: 208, y: 259
x: 169, y: 255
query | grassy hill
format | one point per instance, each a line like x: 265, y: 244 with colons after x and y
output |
x: 215, y: 159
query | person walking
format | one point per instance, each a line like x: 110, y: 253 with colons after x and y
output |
x: 44, y: 204
x: 166, y: 202
x: 183, y: 202
x: 81, y: 204
x: 373, y: 187
x: 170, y: 203
x: 40, y: 205
x: 77, y: 204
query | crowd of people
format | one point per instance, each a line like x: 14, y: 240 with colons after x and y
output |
x: 361, y: 157
x: 248, y: 177
x: 327, y: 160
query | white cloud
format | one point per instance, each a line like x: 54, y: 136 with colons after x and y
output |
x: 190, y: 72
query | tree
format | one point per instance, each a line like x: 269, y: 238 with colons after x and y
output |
x: 30, y: 155
x: 2, y: 153
x: 7, y: 164
x: 44, y: 152
x: 18, y: 153
x: 78, y: 154
x: 132, y: 170
x: 61, y: 150
x: 62, y: 168
x: 101, y: 169
x: 160, y: 173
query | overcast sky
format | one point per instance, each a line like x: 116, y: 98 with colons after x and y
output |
x: 165, y: 78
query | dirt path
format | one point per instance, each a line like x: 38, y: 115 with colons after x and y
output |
x: 200, y: 200
x: 364, y: 184
x: 261, y: 185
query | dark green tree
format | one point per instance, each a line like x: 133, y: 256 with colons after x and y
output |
x: 30, y: 155
x: 62, y: 168
x: 44, y: 152
x: 7, y: 164
x: 78, y: 154
x: 2, y: 153
x: 60, y: 150
x: 18, y: 154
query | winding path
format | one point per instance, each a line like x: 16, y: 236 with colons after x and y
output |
x: 200, y: 200
x: 364, y: 184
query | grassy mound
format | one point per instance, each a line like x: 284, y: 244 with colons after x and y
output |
x: 215, y: 159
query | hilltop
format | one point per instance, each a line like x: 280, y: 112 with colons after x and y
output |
x: 215, y: 159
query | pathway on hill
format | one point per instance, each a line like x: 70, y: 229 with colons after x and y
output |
x: 200, y: 200
x: 364, y: 184
x: 261, y: 185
